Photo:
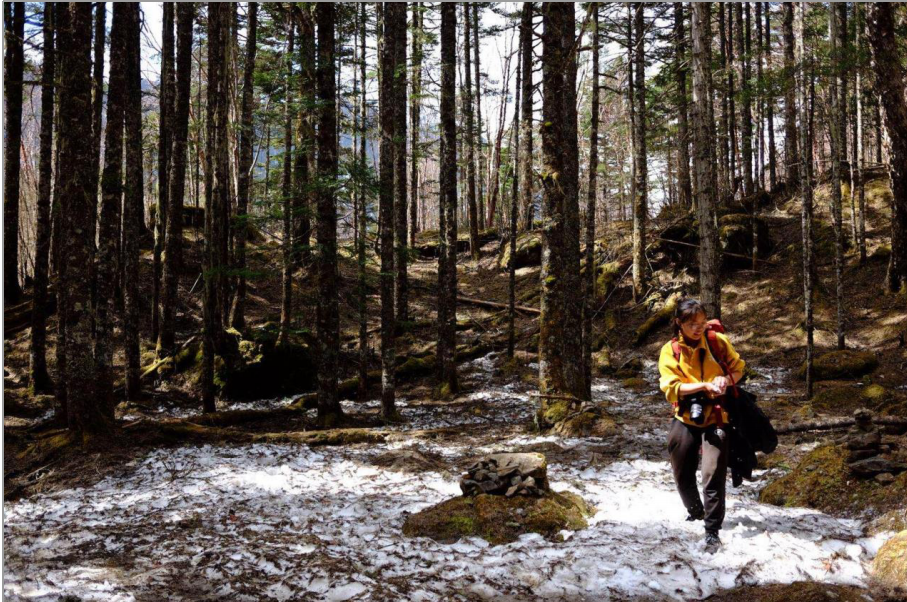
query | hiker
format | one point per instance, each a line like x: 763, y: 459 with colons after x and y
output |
x: 695, y: 383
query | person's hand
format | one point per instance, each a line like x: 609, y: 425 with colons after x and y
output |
x: 713, y: 390
x: 722, y: 383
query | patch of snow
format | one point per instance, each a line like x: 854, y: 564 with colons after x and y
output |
x: 292, y: 522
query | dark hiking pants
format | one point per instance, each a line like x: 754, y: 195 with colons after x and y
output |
x: 684, y: 442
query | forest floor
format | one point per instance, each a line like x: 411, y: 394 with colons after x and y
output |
x: 259, y: 508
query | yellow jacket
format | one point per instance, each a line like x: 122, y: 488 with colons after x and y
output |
x: 689, y: 370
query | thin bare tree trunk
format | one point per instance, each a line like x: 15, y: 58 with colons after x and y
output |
x: 287, y: 192
x: 837, y: 127
x: 704, y: 162
x: 173, y: 244
x: 806, y: 191
x: 164, y: 146
x: 112, y: 199
x: 792, y: 159
x: 133, y: 207
x: 246, y: 137
x: 525, y: 149
x: 39, y: 379
x: 447, y: 252
x: 395, y: 39
x: 589, y: 289
x: 640, y: 157
x: 472, y: 207
x: 415, y: 122
x: 328, y: 312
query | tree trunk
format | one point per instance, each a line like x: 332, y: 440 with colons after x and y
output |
x: 858, y: 145
x: 88, y: 413
x: 806, y: 191
x: 395, y: 40
x: 14, y: 28
x: 97, y: 108
x: 838, y: 129
x: 589, y: 288
x: 288, y: 203
x: 470, y: 138
x: 890, y: 77
x: 514, y: 210
x: 216, y: 195
x: 685, y: 187
x: 447, y: 252
x: 640, y: 157
x: 305, y: 150
x: 726, y: 173
x: 386, y: 215
x: 133, y: 207
x: 246, y: 137
x: 746, y: 117
x: 560, y: 359
x: 481, y: 158
x: 525, y: 149
x: 770, y: 105
x: 38, y: 376
x: 173, y: 244
x: 415, y: 122
x: 59, y: 227
x: 362, y: 216
x: 328, y: 312
x: 112, y: 198
x: 792, y: 157
x: 496, y: 159
x: 760, y: 101
x: 163, y: 160
x: 704, y: 162
x: 732, y: 103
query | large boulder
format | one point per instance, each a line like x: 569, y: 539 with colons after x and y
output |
x: 841, y: 364
x: 890, y: 564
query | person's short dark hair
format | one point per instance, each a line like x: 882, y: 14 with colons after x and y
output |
x: 686, y: 309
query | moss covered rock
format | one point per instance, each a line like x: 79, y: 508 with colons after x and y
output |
x: 499, y: 519
x: 635, y: 383
x: 587, y: 424
x: 528, y: 251
x: 822, y: 480
x: 890, y: 564
x: 601, y: 362
x: 606, y: 276
x: 846, y: 363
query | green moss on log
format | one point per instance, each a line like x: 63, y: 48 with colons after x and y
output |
x: 661, y: 317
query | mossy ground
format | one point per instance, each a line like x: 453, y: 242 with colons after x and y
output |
x: 822, y: 481
x: 890, y: 564
x: 498, y: 519
x: 845, y: 363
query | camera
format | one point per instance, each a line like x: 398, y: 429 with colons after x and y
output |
x: 697, y: 403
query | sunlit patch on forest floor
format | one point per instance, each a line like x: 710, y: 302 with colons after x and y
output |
x: 288, y: 522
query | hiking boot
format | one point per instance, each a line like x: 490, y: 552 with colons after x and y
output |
x: 696, y: 514
x: 712, y: 542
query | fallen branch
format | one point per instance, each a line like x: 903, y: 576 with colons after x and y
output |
x: 835, y: 423
x: 495, y: 305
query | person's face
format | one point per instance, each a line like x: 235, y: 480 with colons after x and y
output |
x: 694, y: 327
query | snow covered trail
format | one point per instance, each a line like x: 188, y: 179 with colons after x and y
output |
x: 281, y: 522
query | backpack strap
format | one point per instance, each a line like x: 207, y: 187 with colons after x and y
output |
x: 712, y: 340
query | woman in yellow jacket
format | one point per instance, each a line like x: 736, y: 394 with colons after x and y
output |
x: 697, y: 376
